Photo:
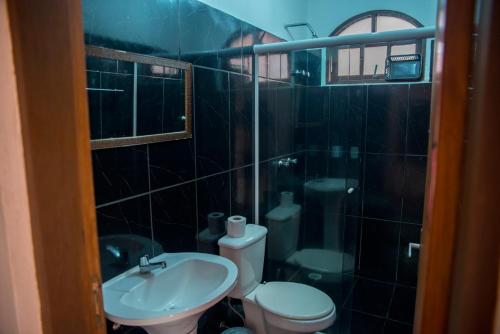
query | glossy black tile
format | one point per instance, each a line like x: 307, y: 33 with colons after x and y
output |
x: 351, y: 248
x: 171, y: 163
x: 119, y: 173
x: 241, y: 115
x: 286, y: 122
x: 386, y: 118
x: 356, y: 119
x: 414, y: 189
x: 392, y: 327
x: 268, y: 120
x: 149, y: 27
x: 174, y: 218
x: 408, y: 266
x: 418, y: 119
x: 339, y: 116
x: 173, y: 105
x: 242, y: 192
x: 352, y: 322
x: 314, y: 67
x: 211, y: 121
x: 117, y: 105
x: 94, y: 101
x: 299, y: 95
x: 379, y: 249
x: 370, y: 297
x: 383, y: 186
x: 213, y: 195
x: 299, y: 66
x: 127, y: 217
x: 268, y: 188
x: 403, y: 304
x: 317, y: 117
x: 316, y: 164
x: 217, y: 44
x: 149, y: 105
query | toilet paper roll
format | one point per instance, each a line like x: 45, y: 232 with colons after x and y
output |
x: 216, y: 222
x: 236, y: 226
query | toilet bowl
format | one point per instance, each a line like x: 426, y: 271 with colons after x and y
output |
x: 274, y: 307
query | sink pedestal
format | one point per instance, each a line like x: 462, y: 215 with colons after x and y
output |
x: 184, y: 326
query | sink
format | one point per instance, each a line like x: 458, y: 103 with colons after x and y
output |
x: 169, y: 300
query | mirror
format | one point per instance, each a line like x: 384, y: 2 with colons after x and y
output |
x: 137, y: 99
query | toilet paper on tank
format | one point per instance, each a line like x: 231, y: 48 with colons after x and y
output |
x: 236, y: 226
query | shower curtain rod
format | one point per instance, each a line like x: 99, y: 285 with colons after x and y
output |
x: 374, y: 37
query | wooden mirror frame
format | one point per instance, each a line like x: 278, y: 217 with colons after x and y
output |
x: 101, y: 52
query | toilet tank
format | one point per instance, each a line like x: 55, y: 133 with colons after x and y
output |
x: 283, y: 223
x: 247, y: 253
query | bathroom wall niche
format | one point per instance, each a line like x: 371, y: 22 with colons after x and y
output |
x: 137, y: 99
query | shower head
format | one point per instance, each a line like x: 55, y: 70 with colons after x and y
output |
x: 303, y: 24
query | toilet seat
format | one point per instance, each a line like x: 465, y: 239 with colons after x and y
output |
x: 293, y: 300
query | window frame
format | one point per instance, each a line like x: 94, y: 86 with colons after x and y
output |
x: 332, y: 76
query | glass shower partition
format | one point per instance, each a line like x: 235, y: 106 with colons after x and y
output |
x: 341, y: 178
x: 309, y: 174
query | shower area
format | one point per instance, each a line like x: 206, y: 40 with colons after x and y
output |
x: 341, y: 178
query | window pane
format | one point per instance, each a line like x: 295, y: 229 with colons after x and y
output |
x: 374, y: 59
x: 348, y: 62
x: 343, y: 62
x: 355, y: 61
x: 388, y: 23
x: 405, y: 49
x: 358, y: 27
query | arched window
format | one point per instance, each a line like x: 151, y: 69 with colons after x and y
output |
x: 366, y: 62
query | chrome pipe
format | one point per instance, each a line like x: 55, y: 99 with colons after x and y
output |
x: 374, y: 37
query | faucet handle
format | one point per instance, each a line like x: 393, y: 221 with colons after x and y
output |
x: 144, y: 260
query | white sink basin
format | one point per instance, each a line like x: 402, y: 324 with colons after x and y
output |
x: 169, y: 300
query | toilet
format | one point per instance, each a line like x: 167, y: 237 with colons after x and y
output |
x: 273, y: 307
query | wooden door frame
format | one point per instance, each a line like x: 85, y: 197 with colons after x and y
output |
x: 451, y: 272
x: 49, y: 64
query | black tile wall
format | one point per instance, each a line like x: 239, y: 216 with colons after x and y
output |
x: 116, y: 106
x: 171, y: 163
x: 379, y: 249
x: 120, y: 173
x: 149, y: 105
x: 174, y: 218
x: 386, y: 118
x: 128, y: 217
x: 241, y: 120
x: 370, y: 297
x: 418, y: 119
x: 403, y: 304
x: 383, y: 189
x: 414, y: 188
x: 211, y: 121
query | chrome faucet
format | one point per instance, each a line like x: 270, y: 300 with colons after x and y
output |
x: 146, y: 267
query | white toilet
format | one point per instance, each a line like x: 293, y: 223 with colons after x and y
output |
x: 274, y: 307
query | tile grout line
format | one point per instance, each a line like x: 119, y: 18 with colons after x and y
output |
x: 229, y: 141
x: 150, y: 201
x: 404, y: 182
x: 195, y: 160
x: 171, y: 186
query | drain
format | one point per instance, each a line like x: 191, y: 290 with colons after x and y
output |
x: 315, y: 277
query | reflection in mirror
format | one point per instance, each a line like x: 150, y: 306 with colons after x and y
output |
x: 137, y: 99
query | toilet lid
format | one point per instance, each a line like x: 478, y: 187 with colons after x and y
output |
x: 294, y: 300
